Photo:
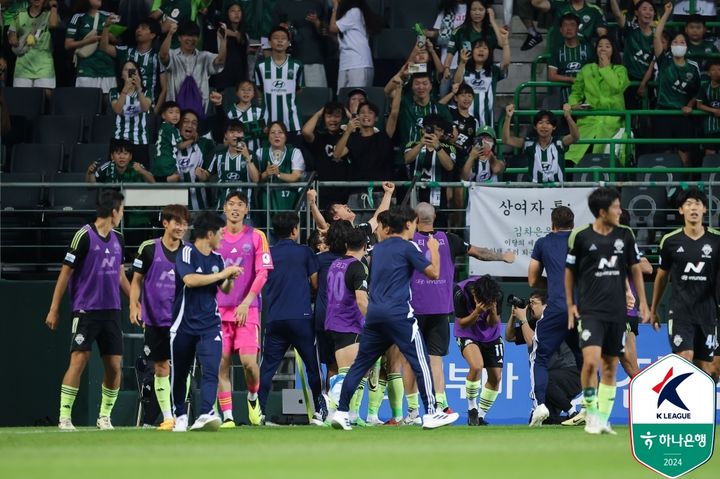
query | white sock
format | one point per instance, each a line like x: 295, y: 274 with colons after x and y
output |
x: 227, y: 415
x: 252, y: 396
x: 167, y: 415
x: 372, y: 418
x: 472, y: 403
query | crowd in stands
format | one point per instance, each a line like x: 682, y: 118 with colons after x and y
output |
x: 213, y: 91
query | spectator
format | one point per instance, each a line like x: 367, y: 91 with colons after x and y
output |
x: 190, y: 68
x: 678, y: 83
x: 600, y: 86
x: 698, y: 47
x: 422, y: 59
x: 192, y: 162
x: 234, y: 163
x: 176, y: 12
x: 29, y: 37
x: 479, y: 25
x: 476, y: 69
x: 354, y: 22
x: 120, y: 169
x: 322, y: 143
x: 130, y: 106
x: 169, y: 141
x: 567, y: 59
x: 464, y: 124
x: 95, y: 68
x: 592, y: 20
x: 451, y: 16
x: 237, y: 40
x: 432, y: 159
x: 144, y: 54
x: 252, y: 117
x: 370, y: 150
x: 279, y: 163
x: 638, y: 40
x: 355, y: 98
x: 416, y: 105
x: 280, y: 77
x: 545, y: 153
x: 709, y: 101
x: 481, y: 164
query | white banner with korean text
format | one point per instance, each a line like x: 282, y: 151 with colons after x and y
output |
x: 512, y: 219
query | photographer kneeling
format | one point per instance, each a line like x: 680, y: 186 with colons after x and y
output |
x: 563, y: 376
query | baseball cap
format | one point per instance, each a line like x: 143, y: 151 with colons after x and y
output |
x: 357, y: 90
x: 486, y: 130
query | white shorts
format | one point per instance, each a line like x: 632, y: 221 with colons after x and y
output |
x: 315, y: 75
x: 105, y: 83
x: 357, y: 77
x: 34, y: 82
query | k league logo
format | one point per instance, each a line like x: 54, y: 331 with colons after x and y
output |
x: 672, y: 416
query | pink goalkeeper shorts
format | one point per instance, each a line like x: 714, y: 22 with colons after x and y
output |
x: 244, y: 339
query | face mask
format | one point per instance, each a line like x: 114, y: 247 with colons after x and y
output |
x: 678, y: 51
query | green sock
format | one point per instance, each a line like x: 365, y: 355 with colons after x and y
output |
x: 396, y: 391
x: 606, y: 399
x: 67, y: 398
x: 162, y: 393
x: 441, y: 399
x: 357, y: 397
x: 590, y: 400
x: 375, y: 397
x: 472, y: 391
x: 109, y: 396
x: 487, y: 398
x: 413, y: 401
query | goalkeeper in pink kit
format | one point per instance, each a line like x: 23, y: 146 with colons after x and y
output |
x: 246, y: 247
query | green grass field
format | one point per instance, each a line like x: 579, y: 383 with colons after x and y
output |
x: 501, y: 452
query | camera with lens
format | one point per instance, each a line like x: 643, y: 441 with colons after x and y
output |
x: 516, y: 301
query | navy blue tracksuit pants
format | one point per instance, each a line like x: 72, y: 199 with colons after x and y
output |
x: 375, y: 339
x: 183, y: 349
x: 550, y: 332
x: 279, y: 335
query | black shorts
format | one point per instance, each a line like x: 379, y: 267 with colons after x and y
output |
x: 686, y: 336
x: 326, y: 352
x: 492, y: 352
x: 435, y: 330
x: 673, y: 127
x: 157, y: 343
x: 632, y: 325
x: 102, y: 327
x: 343, y: 340
x: 609, y: 335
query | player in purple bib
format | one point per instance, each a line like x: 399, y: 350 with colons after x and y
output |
x: 152, y: 293
x: 93, y: 271
x: 346, y: 308
x: 478, y: 330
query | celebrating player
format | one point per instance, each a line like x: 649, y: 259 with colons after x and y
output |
x: 689, y: 257
x: 600, y: 258
x: 199, y: 272
x: 478, y: 330
x: 390, y: 319
x: 93, y: 270
x: 247, y: 247
x: 152, y: 293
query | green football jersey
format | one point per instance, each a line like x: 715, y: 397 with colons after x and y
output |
x: 677, y: 85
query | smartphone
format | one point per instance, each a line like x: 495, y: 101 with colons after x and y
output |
x: 240, y: 144
x: 467, y: 46
x: 429, y: 130
x: 132, y: 72
x: 417, y: 68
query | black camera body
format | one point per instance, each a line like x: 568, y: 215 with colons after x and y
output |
x: 516, y: 301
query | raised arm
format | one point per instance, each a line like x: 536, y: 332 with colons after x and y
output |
x: 572, y: 126
x: 391, y: 123
x: 308, y: 129
x: 617, y: 13
x: 508, y: 138
x: 389, y: 190
x: 164, y: 53
x: 315, y: 211
x: 657, y: 38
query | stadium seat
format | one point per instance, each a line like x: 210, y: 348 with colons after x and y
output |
x: 393, y: 44
x: 375, y: 94
x: 34, y: 158
x: 76, y: 101
x: 84, y: 154
x: 296, y: 10
x: 102, y: 128
x: 310, y: 100
x: 648, y: 208
x: 26, y: 102
x: 711, y: 161
x: 19, y: 218
x: 65, y: 130
x: 596, y: 161
x: 406, y: 13
x: 659, y: 161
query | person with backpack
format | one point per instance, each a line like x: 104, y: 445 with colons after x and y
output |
x: 190, y: 68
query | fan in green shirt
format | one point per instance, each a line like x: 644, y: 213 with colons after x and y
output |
x: 708, y: 100
x: 592, y: 21
x: 479, y: 25
x: 120, y: 169
x: 570, y: 56
x: 699, y: 48
x: 29, y: 35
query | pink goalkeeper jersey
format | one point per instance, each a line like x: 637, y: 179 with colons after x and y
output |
x: 248, y: 249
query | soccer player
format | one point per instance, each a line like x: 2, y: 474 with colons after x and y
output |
x: 432, y: 301
x: 289, y: 314
x: 600, y: 258
x: 478, y: 332
x: 199, y: 273
x: 346, y: 309
x: 248, y: 248
x: 93, y: 271
x: 390, y: 318
x: 152, y: 293
x: 689, y: 258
